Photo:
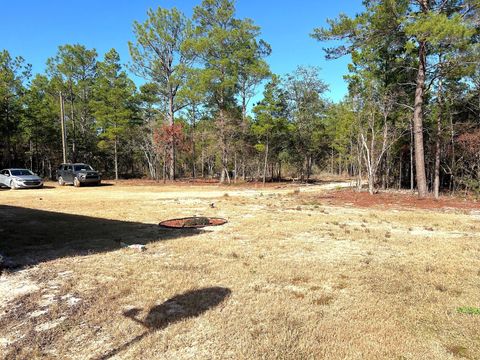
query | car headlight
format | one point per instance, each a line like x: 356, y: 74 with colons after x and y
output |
x: 82, y: 176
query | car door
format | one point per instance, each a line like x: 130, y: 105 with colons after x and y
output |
x: 68, y: 172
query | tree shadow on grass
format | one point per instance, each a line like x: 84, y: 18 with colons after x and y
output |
x: 187, y: 305
x: 30, y: 236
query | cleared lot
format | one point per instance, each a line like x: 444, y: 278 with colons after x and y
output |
x: 295, y: 273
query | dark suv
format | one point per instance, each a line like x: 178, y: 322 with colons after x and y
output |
x: 77, y: 174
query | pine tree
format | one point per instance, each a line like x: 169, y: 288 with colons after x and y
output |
x: 162, y: 55
x: 113, y: 95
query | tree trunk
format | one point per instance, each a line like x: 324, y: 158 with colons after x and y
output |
x: 418, y: 117
x: 331, y: 163
x: 223, y: 144
x: 369, y: 163
x: 171, y: 150
x: 265, y: 163
x: 359, y: 170
x: 436, y: 184
x: 371, y: 182
x: 30, y: 143
x: 49, y: 169
x: 452, y: 166
x: 194, y: 169
x: 74, y: 131
x: 203, y: 163
x: 309, y: 167
x: 115, y: 155
x: 387, y: 170
x: 235, y: 167
x: 400, y: 170
x: 412, y: 177
x: 151, y: 165
x: 164, y: 165
x: 8, y: 154
x: 258, y: 172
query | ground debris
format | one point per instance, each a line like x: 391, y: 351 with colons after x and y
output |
x: 192, y: 222
x: 137, y: 247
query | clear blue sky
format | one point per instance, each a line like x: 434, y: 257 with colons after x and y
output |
x: 34, y: 29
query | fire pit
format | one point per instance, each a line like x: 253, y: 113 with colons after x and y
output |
x: 192, y: 222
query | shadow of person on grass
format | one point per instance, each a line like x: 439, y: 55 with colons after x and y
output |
x: 30, y: 236
x: 187, y: 305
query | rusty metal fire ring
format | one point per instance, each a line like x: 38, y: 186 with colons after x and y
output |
x: 192, y: 222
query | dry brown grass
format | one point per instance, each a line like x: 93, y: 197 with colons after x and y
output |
x: 289, y: 277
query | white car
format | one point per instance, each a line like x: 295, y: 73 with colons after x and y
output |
x: 20, y: 178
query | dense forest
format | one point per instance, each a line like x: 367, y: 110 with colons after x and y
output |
x: 411, y: 118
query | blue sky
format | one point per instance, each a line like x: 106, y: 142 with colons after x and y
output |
x: 34, y: 29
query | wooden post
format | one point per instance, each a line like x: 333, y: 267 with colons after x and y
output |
x: 64, y: 133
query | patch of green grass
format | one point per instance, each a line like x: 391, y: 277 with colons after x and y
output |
x: 470, y: 310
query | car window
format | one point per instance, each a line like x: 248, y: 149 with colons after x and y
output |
x: 60, y: 167
x: 4, y: 172
x: 69, y: 167
x: 21, y: 172
x: 83, y: 167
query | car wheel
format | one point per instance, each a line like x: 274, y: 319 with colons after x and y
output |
x: 61, y: 182
x: 76, y: 182
x: 13, y: 185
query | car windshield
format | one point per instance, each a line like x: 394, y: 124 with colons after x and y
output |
x: 21, y: 172
x: 82, y: 167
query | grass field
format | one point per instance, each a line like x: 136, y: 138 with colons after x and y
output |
x: 296, y: 273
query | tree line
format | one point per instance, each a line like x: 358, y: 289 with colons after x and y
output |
x: 412, y: 115
x: 411, y: 118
